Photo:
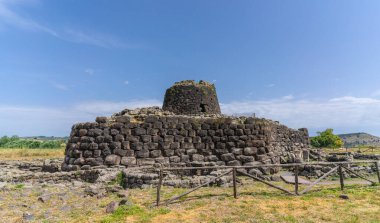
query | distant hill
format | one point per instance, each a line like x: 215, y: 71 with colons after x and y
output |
x: 359, y: 139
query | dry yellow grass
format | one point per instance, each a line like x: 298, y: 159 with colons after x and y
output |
x: 258, y: 203
x: 28, y: 154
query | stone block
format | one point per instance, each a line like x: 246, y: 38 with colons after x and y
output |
x: 146, y: 138
x: 168, y: 152
x: 227, y: 157
x: 93, y: 146
x: 185, y: 158
x: 191, y: 151
x: 137, y: 146
x: 114, y: 132
x: 258, y: 143
x: 245, y: 159
x: 82, y: 132
x: 211, y: 158
x: 261, y: 151
x: 175, y: 159
x: 112, y: 160
x: 115, y: 145
x: 101, y: 119
x: 144, y: 153
x: 262, y: 157
x: 128, y: 161
x: 87, y: 154
x: 234, y: 163
x: 106, y: 152
x: 237, y: 151
x: 155, y: 153
x: 198, y: 157
x: 125, y: 145
x: 146, y: 162
x: 120, y: 152
x: 150, y: 146
x: 174, y: 145
x: 97, y: 153
x: 250, y: 151
x: 187, y: 145
x: 139, y: 131
x: 123, y: 119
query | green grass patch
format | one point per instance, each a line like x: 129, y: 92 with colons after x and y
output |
x: 142, y: 215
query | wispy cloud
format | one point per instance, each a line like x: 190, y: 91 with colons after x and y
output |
x: 13, y: 19
x: 96, y: 39
x: 60, y: 86
x: 9, y: 17
x: 126, y: 82
x: 271, y: 85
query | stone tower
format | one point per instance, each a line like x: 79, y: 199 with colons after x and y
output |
x: 191, y: 98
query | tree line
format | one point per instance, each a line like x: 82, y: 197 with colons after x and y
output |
x: 17, y: 142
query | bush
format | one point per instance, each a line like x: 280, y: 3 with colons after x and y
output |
x: 326, y: 139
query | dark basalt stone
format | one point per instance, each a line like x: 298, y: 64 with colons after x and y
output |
x: 189, y: 97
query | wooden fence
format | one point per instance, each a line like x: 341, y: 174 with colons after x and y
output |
x: 337, y: 167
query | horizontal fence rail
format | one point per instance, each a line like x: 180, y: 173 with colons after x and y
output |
x: 338, y: 167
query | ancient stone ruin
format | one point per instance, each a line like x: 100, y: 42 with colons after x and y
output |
x: 190, y: 98
x: 189, y: 131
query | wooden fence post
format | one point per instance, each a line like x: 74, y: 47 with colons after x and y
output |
x: 340, y: 171
x: 377, y: 170
x: 234, y: 182
x: 296, y: 170
x: 159, y: 188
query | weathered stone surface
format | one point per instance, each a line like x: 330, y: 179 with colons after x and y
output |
x: 128, y: 161
x: 112, y: 160
x: 111, y: 207
x: 227, y: 157
x: 189, y: 97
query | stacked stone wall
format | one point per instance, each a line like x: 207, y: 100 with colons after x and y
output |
x: 180, y: 141
x: 190, y: 98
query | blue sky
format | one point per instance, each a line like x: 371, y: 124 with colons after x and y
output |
x: 311, y: 64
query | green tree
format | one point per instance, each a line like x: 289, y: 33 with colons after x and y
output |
x: 326, y: 139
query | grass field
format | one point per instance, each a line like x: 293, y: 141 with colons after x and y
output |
x: 256, y: 203
x: 27, y: 154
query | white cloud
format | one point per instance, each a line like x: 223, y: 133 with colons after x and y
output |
x: 355, y: 100
x: 345, y: 113
x: 31, y: 121
x: 126, y: 82
x: 340, y: 113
